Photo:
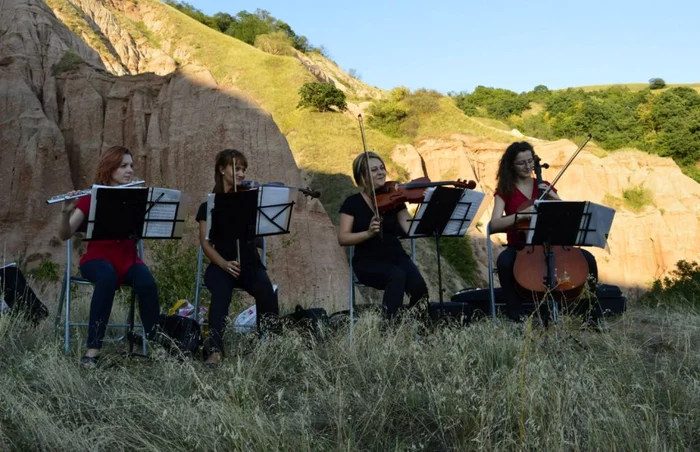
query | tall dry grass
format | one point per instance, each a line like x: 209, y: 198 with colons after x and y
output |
x: 634, y: 387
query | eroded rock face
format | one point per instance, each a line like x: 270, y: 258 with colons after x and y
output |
x: 54, y: 128
x: 643, y: 245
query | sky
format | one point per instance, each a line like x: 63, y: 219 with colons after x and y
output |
x: 455, y: 46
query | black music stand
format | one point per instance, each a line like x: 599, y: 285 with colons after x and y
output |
x: 126, y: 213
x: 557, y: 223
x: 442, y: 208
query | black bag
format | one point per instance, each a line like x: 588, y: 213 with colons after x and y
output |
x: 20, y: 297
x: 183, y: 332
x: 451, y: 311
x: 307, y: 319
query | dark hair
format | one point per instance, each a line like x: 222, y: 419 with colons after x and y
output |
x: 224, y: 159
x: 506, y: 168
x: 108, y: 163
x: 360, y: 168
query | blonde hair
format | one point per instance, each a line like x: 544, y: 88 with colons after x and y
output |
x: 360, y: 168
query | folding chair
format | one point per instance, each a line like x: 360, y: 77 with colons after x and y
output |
x: 65, y: 295
x: 199, y: 285
x: 355, y: 283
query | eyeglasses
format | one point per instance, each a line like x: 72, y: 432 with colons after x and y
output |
x: 524, y: 163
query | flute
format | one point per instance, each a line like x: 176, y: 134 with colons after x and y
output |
x: 87, y: 191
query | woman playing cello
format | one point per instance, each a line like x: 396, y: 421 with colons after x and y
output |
x: 379, y: 261
x: 515, y: 187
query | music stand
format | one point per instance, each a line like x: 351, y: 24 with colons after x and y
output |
x: 445, y: 212
x: 136, y: 213
x: 565, y: 223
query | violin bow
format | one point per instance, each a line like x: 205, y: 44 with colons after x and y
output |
x: 566, y: 165
x: 235, y: 190
x: 369, y: 174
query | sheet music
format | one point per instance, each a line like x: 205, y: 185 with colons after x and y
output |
x: 470, y: 206
x: 593, y: 233
x: 210, y: 207
x: 161, y: 219
x: 274, y: 209
x: 601, y: 222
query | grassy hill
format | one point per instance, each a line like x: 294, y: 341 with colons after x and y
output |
x: 323, y: 144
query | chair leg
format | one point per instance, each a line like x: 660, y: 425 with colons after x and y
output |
x: 59, y: 303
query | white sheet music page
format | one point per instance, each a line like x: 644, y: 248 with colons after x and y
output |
x: 599, y: 227
x: 165, y: 209
x: 469, y: 207
x: 210, y: 206
x: 274, y: 209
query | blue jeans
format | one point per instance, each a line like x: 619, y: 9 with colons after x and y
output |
x: 105, y: 278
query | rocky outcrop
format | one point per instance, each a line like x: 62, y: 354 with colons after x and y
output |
x: 643, y: 244
x: 55, y: 126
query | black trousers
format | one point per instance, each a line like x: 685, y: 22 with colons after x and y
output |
x: 254, y: 280
x: 505, y: 264
x: 395, y: 275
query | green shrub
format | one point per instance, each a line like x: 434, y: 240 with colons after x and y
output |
x: 70, y: 61
x: 321, y: 96
x: 46, y: 271
x: 174, y: 269
x: 656, y: 83
x: 681, y: 287
x: 636, y: 198
x: 387, y: 117
x: 275, y: 43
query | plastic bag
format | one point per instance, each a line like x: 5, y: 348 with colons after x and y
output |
x: 246, y: 321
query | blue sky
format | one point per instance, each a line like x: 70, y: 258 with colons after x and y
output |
x: 455, y: 46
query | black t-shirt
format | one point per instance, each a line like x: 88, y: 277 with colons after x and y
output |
x: 377, y: 247
x: 227, y: 249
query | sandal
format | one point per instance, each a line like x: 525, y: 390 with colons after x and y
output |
x: 89, y: 362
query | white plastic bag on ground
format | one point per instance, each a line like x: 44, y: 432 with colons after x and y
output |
x: 246, y: 320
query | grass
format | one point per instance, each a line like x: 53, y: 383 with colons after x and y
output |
x: 478, y: 388
x: 634, y: 199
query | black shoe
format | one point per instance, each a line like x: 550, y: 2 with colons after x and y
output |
x: 89, y: 362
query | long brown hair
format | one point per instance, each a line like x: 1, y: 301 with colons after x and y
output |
x: 224, y: 159
x: 108, y: 163
x: 360, y: 168
x: 506, y: 168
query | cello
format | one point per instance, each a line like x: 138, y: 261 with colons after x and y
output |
x: 541, y: 270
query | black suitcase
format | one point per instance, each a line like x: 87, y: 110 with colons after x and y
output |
x: 609, y: 301
x: 450, y: 312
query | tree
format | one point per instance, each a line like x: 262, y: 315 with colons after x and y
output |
x: 275, y: 43
x: 656, y: 83
x: 321, y: 96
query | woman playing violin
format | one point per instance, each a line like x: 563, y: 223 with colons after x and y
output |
x: 515, y: 187
x: 379, y: 260
x: 227, y: 269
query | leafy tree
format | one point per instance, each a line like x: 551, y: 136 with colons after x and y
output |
x: 321, y: 96
x: 656, y: 83
x: 275, y: 43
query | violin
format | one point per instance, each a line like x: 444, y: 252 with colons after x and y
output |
x: 392, y: 194
x: 530, y: 270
